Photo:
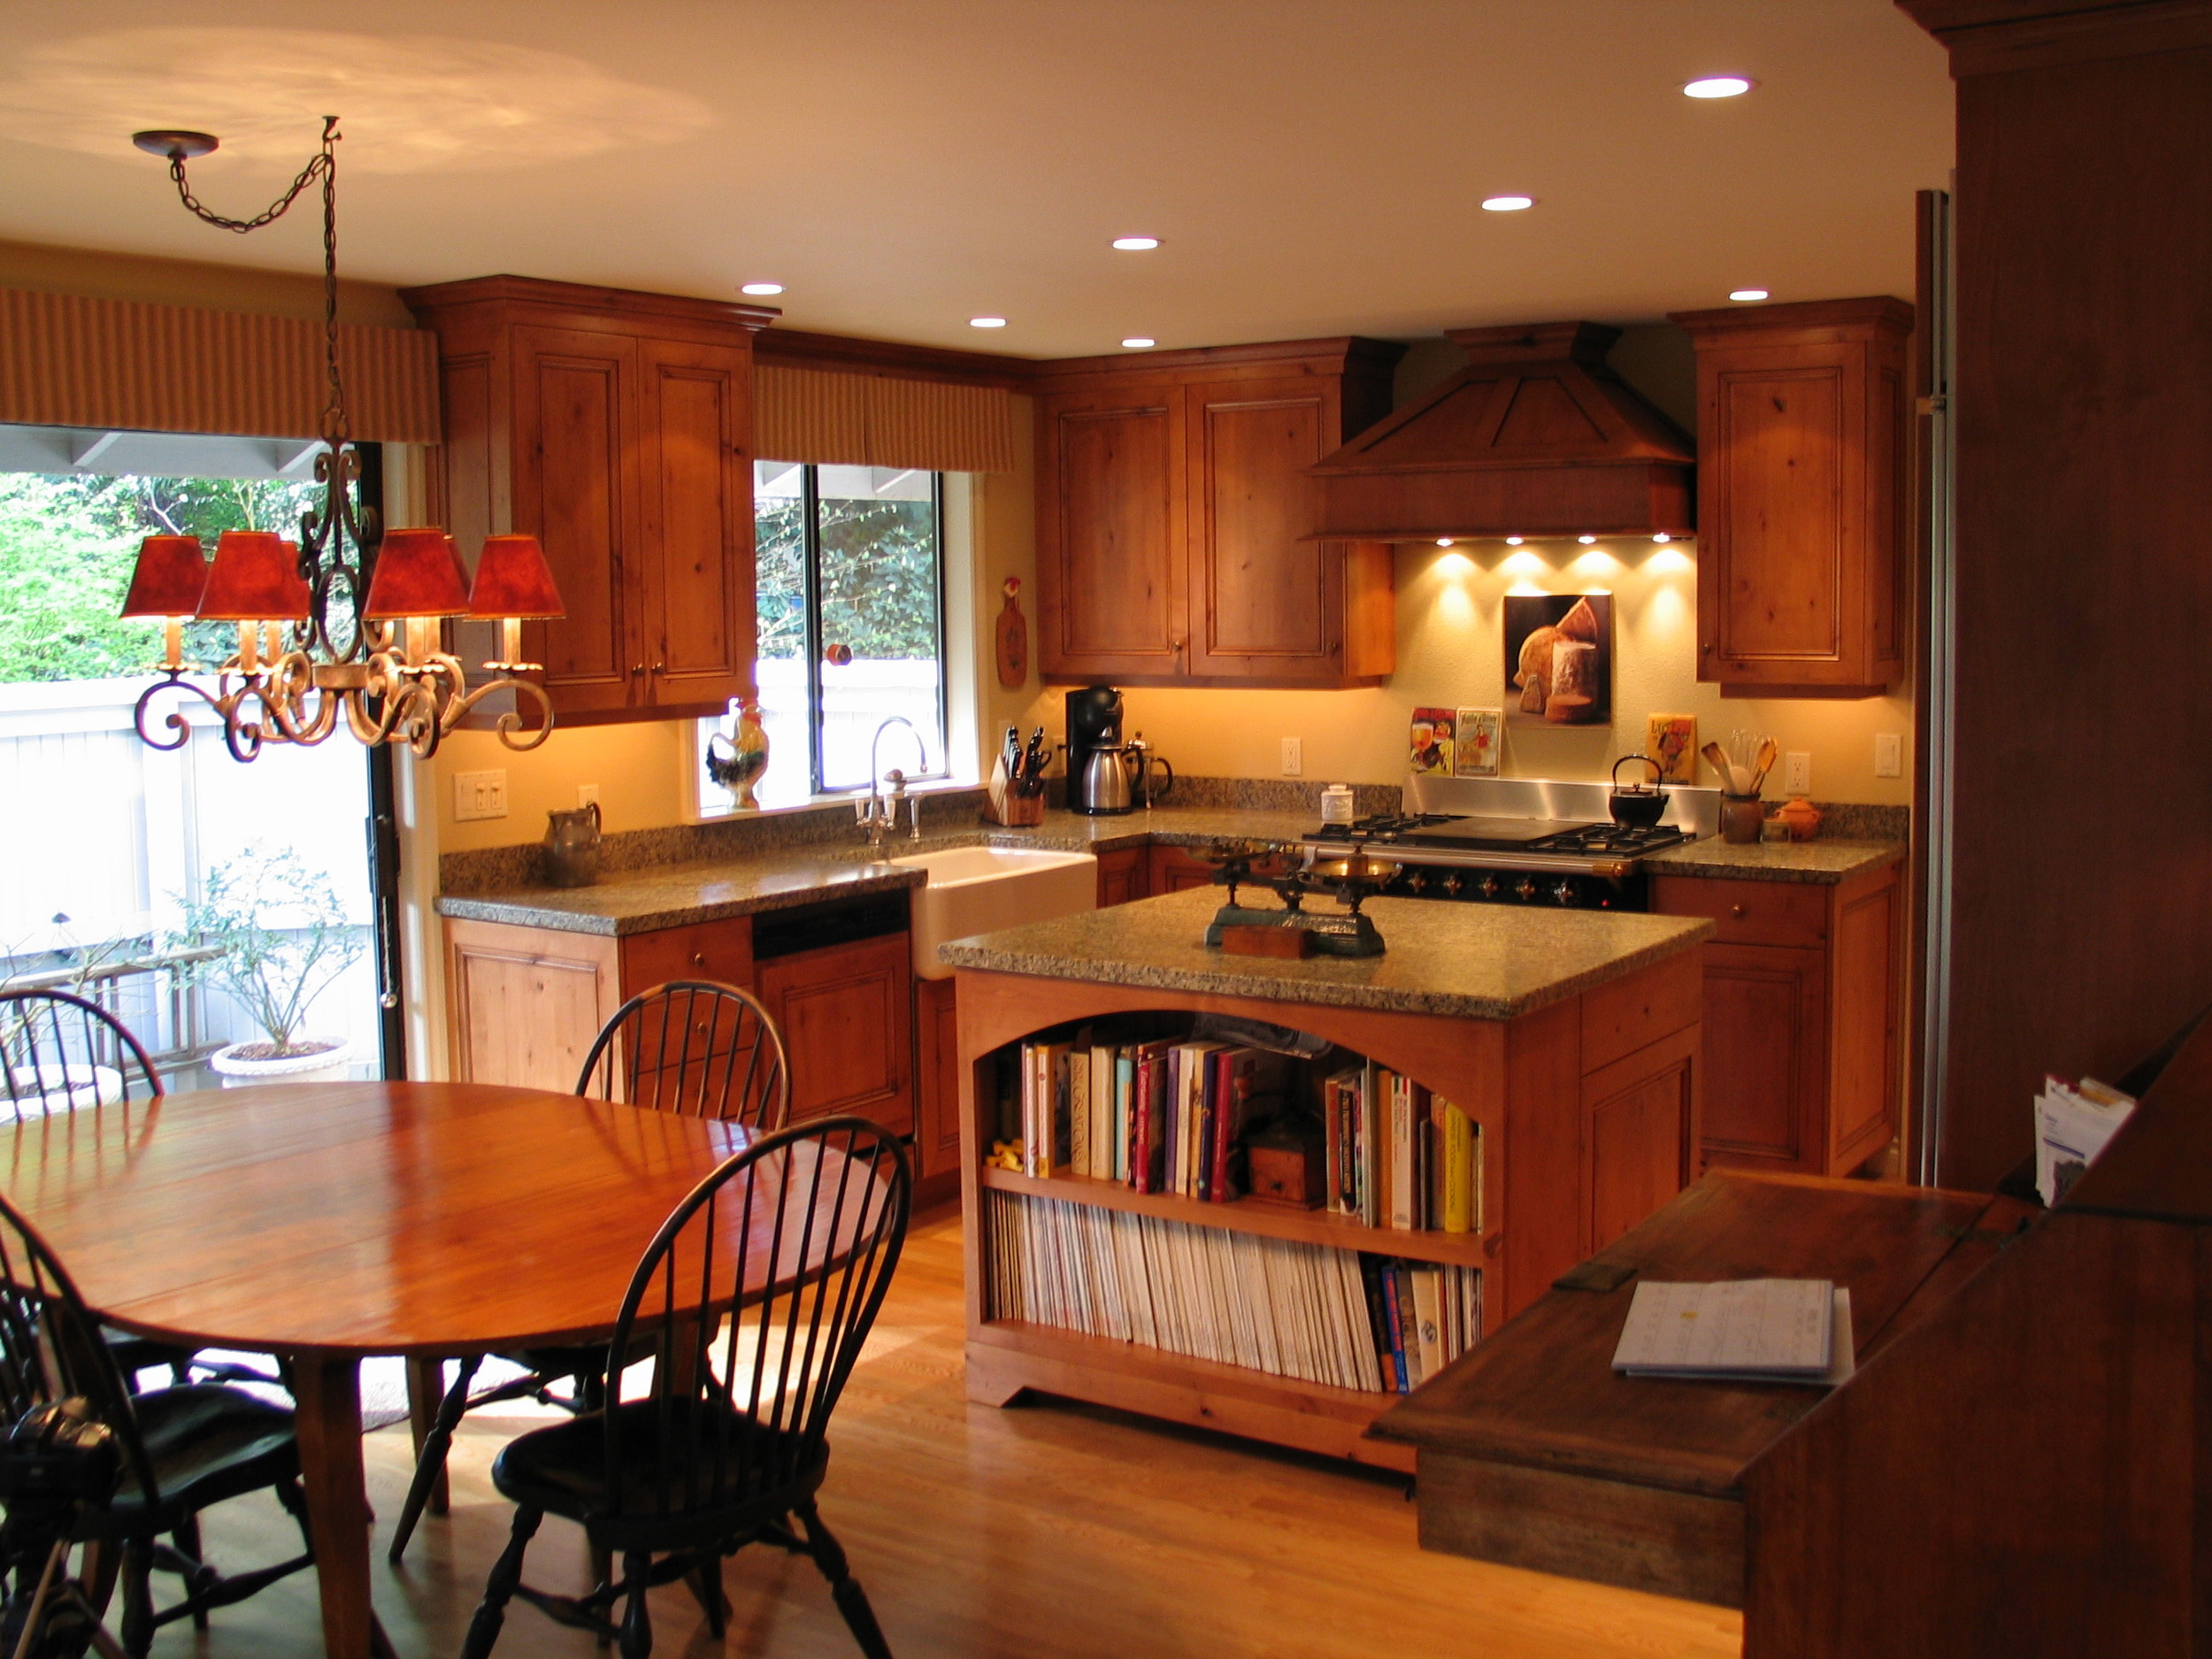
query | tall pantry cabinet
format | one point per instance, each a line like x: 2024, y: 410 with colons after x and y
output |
x: 617, y: 427
x: 1173, y: 513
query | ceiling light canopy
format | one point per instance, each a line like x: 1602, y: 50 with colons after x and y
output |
x: 763, y: 289
x: 1745, y: 296
x: 987, y: 322
x: 1136, y: 244
x: 1718, y: 87
x: 1507, y: 203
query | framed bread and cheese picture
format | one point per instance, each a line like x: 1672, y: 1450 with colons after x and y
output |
x: 1559, y: 659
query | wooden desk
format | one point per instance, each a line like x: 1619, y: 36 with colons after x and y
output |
x: 331, y: 1221
x: 1533, y: 1453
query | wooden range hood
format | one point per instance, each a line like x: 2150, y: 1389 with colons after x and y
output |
x: 1535, y: 437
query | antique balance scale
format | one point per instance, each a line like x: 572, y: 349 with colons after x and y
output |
x: 1293, y: 873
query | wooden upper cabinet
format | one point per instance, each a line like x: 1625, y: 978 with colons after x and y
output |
x: 1173, y: 509
x: 1802, y: 541
x: 617, y: 427
x: 1111, y: 591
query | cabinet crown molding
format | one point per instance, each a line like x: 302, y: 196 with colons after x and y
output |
x: 575, y: 298
x: 1873, y: 312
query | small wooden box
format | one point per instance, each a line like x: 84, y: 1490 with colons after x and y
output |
x: 1283, y: 1168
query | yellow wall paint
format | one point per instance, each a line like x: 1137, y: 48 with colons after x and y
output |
x: 639, y: 768
x: 1451, y: 652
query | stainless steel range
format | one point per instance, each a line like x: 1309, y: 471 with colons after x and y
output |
x: 1520, y: 840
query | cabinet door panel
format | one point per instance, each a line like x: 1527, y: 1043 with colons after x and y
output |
x: 1111, y: 597
x: 1765, y: 1047
x: 575, y: 490
x: 937, y: 1134
x: 1781, y: 442
x: 1262, y: 599
x: 525, y: 1002
x: 1862, y: 1083
x: 1173, y: 870
x: 847, y: 1018
x: 1640, y: 1119
x: 698, y: 519
x: 1121, y: 876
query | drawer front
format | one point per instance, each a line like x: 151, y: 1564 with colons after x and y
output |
x: 1748, y: 912
x: 721, y: 951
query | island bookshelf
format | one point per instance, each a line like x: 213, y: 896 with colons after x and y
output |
x: 1587, y: 1107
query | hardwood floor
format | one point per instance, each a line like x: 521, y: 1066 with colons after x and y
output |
x: 1056, y: 1530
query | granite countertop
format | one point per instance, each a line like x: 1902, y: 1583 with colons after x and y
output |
x: 1460, y: 960
x: 676, y: 895
x: 1821, y: 862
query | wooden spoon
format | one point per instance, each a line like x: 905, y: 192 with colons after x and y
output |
x: 1716, y: 757
x: 1770, y: 751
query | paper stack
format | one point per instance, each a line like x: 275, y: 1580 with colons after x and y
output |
x: 2072, y: 1123
x: 1749, y: 1330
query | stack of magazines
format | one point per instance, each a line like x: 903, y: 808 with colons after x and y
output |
x: 2072, y: 1123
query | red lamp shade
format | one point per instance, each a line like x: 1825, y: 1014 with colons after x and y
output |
x: 253, y: 579
x: 513, y: 580
x: 172, y: 574
x: 417, y: 575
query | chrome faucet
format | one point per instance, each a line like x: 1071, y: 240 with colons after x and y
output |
x: 878, y: 816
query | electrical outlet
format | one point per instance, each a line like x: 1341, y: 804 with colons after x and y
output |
x: 1797, y: 773
x: 479, y: 795
x: 1889, y: 755
x: 1294, y: 757
x: 587, y: 795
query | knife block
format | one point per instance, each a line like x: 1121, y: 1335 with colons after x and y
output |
x: 1005, y: 803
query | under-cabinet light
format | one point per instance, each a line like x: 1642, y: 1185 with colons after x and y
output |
x: 1137, y: 343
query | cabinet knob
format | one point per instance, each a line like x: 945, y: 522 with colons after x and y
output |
x: 698, y: 958
x: 637, y: 668
x: 1735, y: 910
x: 660, y: 668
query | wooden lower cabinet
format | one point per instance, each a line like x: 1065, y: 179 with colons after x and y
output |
x: 1803, y: 1004
x: 1171, y: 870
x: 525, y: 1004
x: 1124, y: 875
x: 937, y: 1052
x: 846, y: 1013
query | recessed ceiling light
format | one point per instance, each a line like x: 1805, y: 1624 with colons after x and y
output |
x: 1443, y: 541
x: 1718, y: 87
x: 987, y: 322
x: 1585, y: 540
x: 1136, y: 244
x: 1663, y: 538
x: 1137, y: 343
x: 1744, y: 296
x: 1507, y: 203
x: 1513, y: 541
x: 762, y: 289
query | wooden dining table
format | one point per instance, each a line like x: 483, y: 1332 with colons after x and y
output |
x: 330, y: 1222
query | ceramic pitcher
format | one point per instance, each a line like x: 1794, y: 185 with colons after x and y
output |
x: 571, y: 847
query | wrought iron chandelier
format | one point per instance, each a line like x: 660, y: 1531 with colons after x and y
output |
x: 347, y: 623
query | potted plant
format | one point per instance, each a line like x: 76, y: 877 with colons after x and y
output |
x: 283, y: 940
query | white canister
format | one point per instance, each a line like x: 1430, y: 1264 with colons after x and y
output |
x: 1336, y: 803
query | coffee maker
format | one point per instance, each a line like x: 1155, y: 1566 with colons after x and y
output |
x: 1094, y: 726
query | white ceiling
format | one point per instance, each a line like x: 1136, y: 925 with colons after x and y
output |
x: 900, y: 165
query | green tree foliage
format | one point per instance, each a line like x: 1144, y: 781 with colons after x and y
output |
x: 67, y: 545
x: 879, y: 577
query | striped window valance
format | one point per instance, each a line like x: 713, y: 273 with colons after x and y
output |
x: 861, y: 419
x: 67, y: 360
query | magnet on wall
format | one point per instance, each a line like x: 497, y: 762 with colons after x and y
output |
x: 1013, y: 639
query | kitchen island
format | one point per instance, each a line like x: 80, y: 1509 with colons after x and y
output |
x: 1572, y: 1039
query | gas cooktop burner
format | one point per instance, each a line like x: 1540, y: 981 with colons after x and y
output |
x: 1499, y: 834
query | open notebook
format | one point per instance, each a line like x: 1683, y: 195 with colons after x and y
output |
x: 1748, y: 1330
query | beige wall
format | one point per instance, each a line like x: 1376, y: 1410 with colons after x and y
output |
x: 1451, y: 652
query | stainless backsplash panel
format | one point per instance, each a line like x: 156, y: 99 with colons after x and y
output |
x: 1694, y: 810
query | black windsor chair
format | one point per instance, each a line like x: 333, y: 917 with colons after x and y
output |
x: 59, y: 1053
x: 86, y: 1462
x: 728, y: 1446
x: 691, y: 1047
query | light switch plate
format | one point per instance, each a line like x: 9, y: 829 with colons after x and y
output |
x: 479, y: 795
x: 1294, y: 757
x: 1797, y: 773
x: 1889, y: 755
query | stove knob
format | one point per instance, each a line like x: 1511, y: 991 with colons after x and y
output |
x: 1415, y: 882
x: 1487, y: 887
x: 1452, y: 884
x: 1564, y: 892
x: 1525, y: 889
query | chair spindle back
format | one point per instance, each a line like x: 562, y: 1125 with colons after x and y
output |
x: 790, y: 1246
x: 60, y: 1051
x: 696, y: 1048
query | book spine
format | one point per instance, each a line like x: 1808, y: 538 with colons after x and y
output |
x: 1035, y: 1157
x: 1395, y: 1329
x: 1408, y: 1325
x: 1331, y: 1160
x: 1459, y: 1169
x: 1428, y: 1315
x: 1208, y: 1118
x: 1143, y: 1127
x: 1078, y: 1064
x: 1125, y: 1068
x: 1404, y: 1196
